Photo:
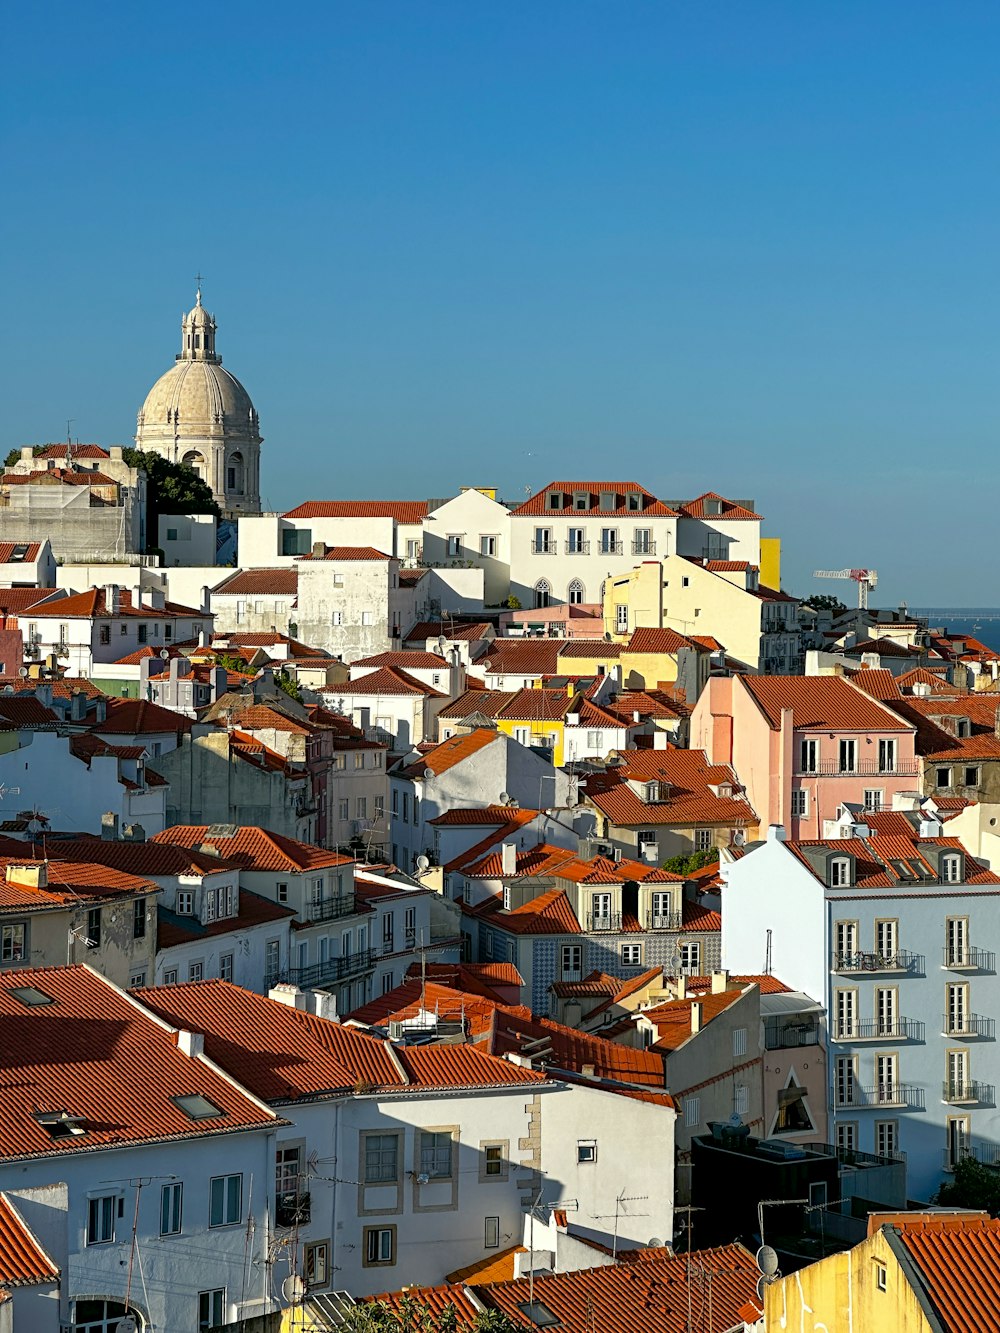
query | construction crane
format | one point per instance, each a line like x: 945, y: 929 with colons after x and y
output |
x: 864, y: 578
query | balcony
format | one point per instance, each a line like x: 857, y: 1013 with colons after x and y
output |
x: 882, y: 1094
x: 644, y: 548
x: 578, y: 548
x: 612, y: 548
x: 967, y: 1025
x: 333, y: 970
x: 987, y: 1153
x: 543, y: 548
x: 292, y: 1209
x: 866, y: 768
x: 955, y: 1091
x: 964, y: 958
x: 664, y: 920
x: 780, y: 1035
x: 604, y: 921
x: 894, y: 1029
x: 878, y: 962
x: 331, y: 909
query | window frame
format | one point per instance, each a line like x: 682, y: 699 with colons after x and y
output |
x: 225, y: 1184
x: 381, y: 1179
x: 172, y: 1206
x: 371, y: 1233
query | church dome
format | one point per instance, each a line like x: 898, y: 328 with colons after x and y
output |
x: 197, y: 394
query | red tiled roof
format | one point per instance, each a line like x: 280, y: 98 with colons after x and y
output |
x: 921, y: 676
x: 539, y: 504
x: 879, y: 682
x: 414, y: 659
x: 883, y: 647
x: 472, y: 978
x: 95, y: 1054
x: 957, y: 1260
x: 649, y: 703
x: 94, y: 602
x: 24, y: 710
x: 466, y: 816
x: 818, y: 701
x: 935, y: 720
x: 730, y: 510
x: 516, y: 819
x: 697, y: 917
x: 16, y: 600
x: 280, y: 582
x: 557, y: 1047
x: 690, y: 799
x: 450, y: 1003
x: 767, y: 984
x: 672, y: 1019
x: 595, y: 983
x: 264, y: 639
x: 588, y: 648
x: 522, y: 657
x: 283, y: 1055
x: 140, y: 717
x: 548, y: 914
x: 435, y: 629
x: 253, y: 910
x: 874, y: 857
x: 489, y: 703
x: 348, y: 553
x: 62, y: 476
x: 75, y: 451
x: 258, y: 717
x: 67, y: 882
x: 158, y: 856
x: 254, y: 848
x: 403, y: 511
x: 449, y: 753
x: 659, y: 641
x: 29, y: 553
x: 384, y: 681
x: 536, y: 862
x: 23, y: 1262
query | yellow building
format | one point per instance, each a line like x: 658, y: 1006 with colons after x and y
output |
x: 770, y: 562
x: 914, y: 1273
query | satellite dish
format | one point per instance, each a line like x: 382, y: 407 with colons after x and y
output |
x: 739, y: 838
x: 164, y: 655
x: 767, y: 1260
x: 22, y: 671
x: 442, y: 642
x: 126, y: 1325
x: 293, y: 1289
x: 423, y: 864
x: 505, y: 798
x: 761, y: 1284
x: 654, y: 1243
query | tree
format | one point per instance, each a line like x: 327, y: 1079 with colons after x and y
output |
x: 171, y: 488
x: 289, y: 684
x: 415, y: 1316
x: 825, y: 602
x: 973, y: 1186
x: 15, y: 455
x: 684, y: 865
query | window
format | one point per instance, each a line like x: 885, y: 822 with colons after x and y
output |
x: 632, y: 955
x: 886, y: 1015
x: 881, y: 1276
x: 211, y: 1308
x: 185, y: 902
x: 454, y: 545
x: 886, y: 940
x: 971, y: 777
x: 367, y: 618
x: 359, y: 759
x: 692, y: 1112
x: 685, y: 581
x: 739, y: 1042
x: 810, y: 756
x: 137, y: 978
x: 344, y: 809
x: 956, y: 941
x: 951, y: 869
x: 621, y: 619
x: 139, y: 919
x: 600, y: 908
x: 958, y: 1083
x: 171, y: 1199
x: 94, y: 928
x: 487, y: 546
x: 873, y: 799
x: 226, y: 967
x: 942, y: 777
x: 577, y: 541
x: 543, y: 593
x: 957, y: 1143
x: 316, y: 1269
x: 741, y: 1099
x: 642, y: 543
x: 522, y: 735
x: 575, y: 593
x: 272, y: 959
x: 690, y: 958
x: 494, y: 1161
x: 381, y: 1159
x: 12, y: 943
x: 226, y: 1201
x: 887, y: 756
x: 336, y: 617
x: 104, y: 634
x: 609, y: 541
x: 703, y: 840
x: 142, y: 633
x: 800, y: 802
x: 170, y: 977
x: 840, y: 872
x: 848, y: 751
x: 101, y: 1214
x: 380, y: 1246
x: 586, y: 1150
x: 361, y: 807
x: 957, y: 1007
x: 491, y: 1235
x: 388, y: 982
x: 845, y: 943
x: 543, y: 541
x: 887, y: 1137
x: 845, y: 1082
x: 887, y: 1079
x: 846, y: 1014
x: 572, y: 962
x: 435, y: 1154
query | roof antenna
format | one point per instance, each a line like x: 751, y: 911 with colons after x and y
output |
x: 767, y: 955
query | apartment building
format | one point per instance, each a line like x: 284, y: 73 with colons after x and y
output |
x: 888, y: 925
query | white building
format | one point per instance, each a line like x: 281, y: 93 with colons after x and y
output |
x: 27, y: 565
x: 351, y: 601
x: 392, y: 526
x: 134, y: 1161
x: 256, y: 599
x: 472, y: 528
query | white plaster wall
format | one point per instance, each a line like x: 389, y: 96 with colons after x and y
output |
x: 471, y: 516
x: 43, y: 775
x: 593, y: 568
x: 195, y: 540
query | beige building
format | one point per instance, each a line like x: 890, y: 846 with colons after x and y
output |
x: 201, y: 415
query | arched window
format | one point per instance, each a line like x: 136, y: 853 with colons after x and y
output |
x: 840, y: 871
x: 235, y: 472
x: 575, y: 593
x: 96, y: 1315
x: 193, y: 459
x: 542, y: 594
x: 951, y: 869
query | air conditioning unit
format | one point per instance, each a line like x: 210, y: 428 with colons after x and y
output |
x: 397, y: 1030
x: 618, y: 854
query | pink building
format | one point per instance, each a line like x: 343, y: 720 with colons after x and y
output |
x: 804, y: 745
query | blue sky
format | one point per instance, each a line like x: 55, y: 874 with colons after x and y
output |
x: 745, y: 247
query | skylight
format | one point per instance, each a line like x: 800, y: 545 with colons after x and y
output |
x: 30, y: 996
x: 197, y: 1107
x: 60, y: 1124
x: 538, y: 1313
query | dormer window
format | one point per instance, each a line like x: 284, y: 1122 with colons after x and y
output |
x: 840, y: 872
x: 656, y: 792
x: 634, y: 500
x: 555, y: 500
x: 951, y: 868
x: 581, y: 500
x: 713, y: 505
x: 963, y: 726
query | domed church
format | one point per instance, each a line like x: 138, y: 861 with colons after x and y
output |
x: 199, y: 414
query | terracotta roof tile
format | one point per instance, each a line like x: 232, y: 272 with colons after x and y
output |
x: 589, y: 648
x: 557, y: 1047
x: 75, y: 451
x: 386, y: 680
x: 466, y: 816
x: 94, y: 603
x: 689, y: 798
x: 818, y: 701
x: 522, y: 657
x: 413, y: 659
x: 14, y: 601
x: 497, y: 1267
x: 403, y: 511
x: 879, y: 682
x: 349, y: 553
x: 449, y: 754
x: 539, y: 503
x: 435, y: 629
x: 253, y: 847
x: 730, y: 510
x: 95, y: 1054
x: 173, y: 929
x: 659, y: 641
x: 548, y: 914
x: 958, y: 1261
x: 23, y: 1262
x: 282, y: 582
x: 29, y: 552
x: 672, y: 1019
x: 140, y: 717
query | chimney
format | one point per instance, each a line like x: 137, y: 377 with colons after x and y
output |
x: 776, y: 833
x: 319, y: 550
x: 682, y: 987
x: 78, y: 706
x: 27, y: 453
x: 322, y: 1004
x: 284, y: 993
x: 508, y: 858
x: 202, y: 637
x: 29, y: 877
x: 191, y: 1044
x: 109, y: 826
x: 112, y: 598
x: 102, y: 709
x: 219, y: 683
x: 133, y: 833
x: 720, y: 981
x: 695, y: 1017
x: 206, y: 600
x: 456, y: 674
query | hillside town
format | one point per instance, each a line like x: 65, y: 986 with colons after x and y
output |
x: 459, y: 913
